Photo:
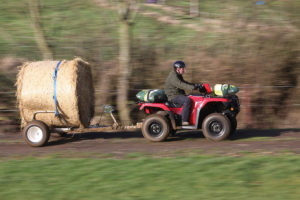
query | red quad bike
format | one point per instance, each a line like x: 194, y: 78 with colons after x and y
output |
x: 216, y: 116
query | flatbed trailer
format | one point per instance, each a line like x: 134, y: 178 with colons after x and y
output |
x: 36, y: 133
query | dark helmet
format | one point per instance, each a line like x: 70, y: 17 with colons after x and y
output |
x: 179, y: 64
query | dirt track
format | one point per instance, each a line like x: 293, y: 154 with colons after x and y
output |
x: 119, y: 144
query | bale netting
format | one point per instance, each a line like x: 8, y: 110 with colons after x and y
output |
x: 74, y: 92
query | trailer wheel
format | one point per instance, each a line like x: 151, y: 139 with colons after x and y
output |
x: 216, y: 127
x: 156, y: 128
x: 36, y: 133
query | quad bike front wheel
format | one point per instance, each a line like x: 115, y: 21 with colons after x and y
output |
x: 156, y: 128
x: 216, y: 127
x: 36, y: 133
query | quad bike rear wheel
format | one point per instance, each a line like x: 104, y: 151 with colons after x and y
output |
x: 156, y: 128
x: 216, y: 127
x: 36, y: 133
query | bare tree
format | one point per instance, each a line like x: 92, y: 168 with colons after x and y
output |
x: 127, y: 12
x: 40, y: 39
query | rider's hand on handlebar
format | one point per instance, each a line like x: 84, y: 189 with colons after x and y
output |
x: 197, y: 86
x: 200, y: 87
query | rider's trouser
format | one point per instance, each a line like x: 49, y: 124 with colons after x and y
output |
x: 186, y: 102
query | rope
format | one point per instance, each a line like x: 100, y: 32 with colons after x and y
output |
x: 54, y: 96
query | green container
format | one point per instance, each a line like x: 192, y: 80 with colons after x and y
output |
x: 225, y: 89
x: 152, y: 96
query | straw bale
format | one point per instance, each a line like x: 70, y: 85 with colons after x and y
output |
x: 74, y: 90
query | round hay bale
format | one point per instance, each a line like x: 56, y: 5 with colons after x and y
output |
x: 74, y: 91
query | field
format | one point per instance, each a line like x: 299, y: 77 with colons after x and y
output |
x: 192, y: 177
x: 255, y: 164
x: 255, y: 47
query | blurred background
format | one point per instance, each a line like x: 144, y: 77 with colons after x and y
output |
x: 132, y: 45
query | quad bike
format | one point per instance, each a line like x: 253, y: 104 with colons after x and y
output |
x: 215, y: 115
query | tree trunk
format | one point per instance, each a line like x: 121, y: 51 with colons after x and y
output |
x: 124, y: 72
x: 194, y: 8
x: 39, y: 35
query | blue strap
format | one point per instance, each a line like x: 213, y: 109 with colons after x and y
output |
x: 54, y: 96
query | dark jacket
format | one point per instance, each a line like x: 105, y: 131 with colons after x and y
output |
x: 175, y: 85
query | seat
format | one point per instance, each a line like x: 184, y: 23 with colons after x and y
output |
x: 171, y: 104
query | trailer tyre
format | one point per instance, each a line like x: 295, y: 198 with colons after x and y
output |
x: 156, y: 128
x: 36, y: 133
x: 216, y: 127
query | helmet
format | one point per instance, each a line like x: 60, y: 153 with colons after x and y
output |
x: 179, y: 64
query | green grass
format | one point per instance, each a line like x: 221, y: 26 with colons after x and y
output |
x: 80, y: 28
x: 75, y: 28
x: 70, y: 27
x: 194, y: 177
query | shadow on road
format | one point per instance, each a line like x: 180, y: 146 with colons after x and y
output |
x: 239, y: 134
x: 93, y: 136
x: 251, y: 133
x: 181, y: 135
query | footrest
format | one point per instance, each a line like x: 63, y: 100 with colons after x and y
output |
x: 187, y: 127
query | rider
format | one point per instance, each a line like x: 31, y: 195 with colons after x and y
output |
x: 174, y: 89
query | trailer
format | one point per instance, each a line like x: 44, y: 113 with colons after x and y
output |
x: 36, y: 133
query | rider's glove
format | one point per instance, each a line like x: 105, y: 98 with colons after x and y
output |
x: 199, y: 87
x: 196, y: 86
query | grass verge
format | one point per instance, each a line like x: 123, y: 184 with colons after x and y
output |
x: 137, y: 177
